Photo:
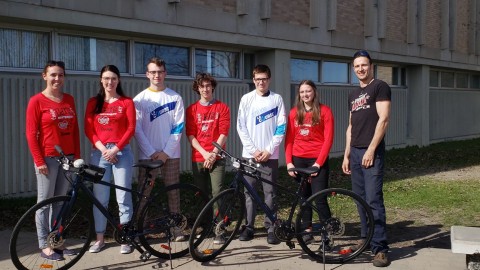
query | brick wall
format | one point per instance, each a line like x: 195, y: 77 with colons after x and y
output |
x: 229, y: 6
x: 292, y: 12
x: 350, y: 15
x: 461, y: 40
x: 433, y: 25
x: 396, y: 19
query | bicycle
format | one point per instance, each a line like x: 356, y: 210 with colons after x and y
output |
x: 343, y: 236
x: 151, y: 231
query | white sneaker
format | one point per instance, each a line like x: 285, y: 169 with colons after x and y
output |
x: 178, y: 235
x: 97, y: 247
x: 125, y: 249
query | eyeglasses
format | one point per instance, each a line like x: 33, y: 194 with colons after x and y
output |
x: 362, y: 53
x: 156, y: 72
x: 261, y: 79
x: 108, y: 79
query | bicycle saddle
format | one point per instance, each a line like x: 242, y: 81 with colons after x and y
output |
x: 304, y: 171
x: 149, y: 164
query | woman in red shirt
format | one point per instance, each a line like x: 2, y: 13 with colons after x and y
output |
x: 207, y: 121
x: 308, y: 142
x: 51, y: 120
x: 109, y: 125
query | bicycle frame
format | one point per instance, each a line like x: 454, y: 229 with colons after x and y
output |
x: 239, y: 177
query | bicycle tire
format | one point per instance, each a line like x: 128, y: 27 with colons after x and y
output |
x: 78, y: 231
x: 344, y: 229
x: 156, y: 221
x: 219, y: 220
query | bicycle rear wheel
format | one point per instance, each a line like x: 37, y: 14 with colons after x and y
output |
x: 77, y: 231
x: 346, y: 233
x: 217, y: 225
x: 163, y: 232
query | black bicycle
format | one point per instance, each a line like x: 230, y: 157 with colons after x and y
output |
x: 153, y: 230
x: 336, y: 239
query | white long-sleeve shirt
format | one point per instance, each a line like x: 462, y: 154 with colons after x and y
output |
x: 160, y: 122
x: 261, y: 123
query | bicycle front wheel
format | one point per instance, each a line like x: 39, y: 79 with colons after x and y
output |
x: 37, y: 229
x: 164, y: 232
x: 341, y: 224
x: 217, y: 225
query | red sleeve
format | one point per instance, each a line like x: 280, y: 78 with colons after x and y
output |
x: 328, y: 129
x: 191, y: 128
x: 89, y: 121
x: 224, y: 120
x: 32, y: 128
x: 290, y: 135
x: 131, y: 121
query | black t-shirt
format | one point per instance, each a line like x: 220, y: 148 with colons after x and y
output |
x: 362, y: 105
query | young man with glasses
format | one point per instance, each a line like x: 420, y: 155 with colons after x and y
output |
x: 160, y: 122
x: 369, y: 107
x: 261, y: 125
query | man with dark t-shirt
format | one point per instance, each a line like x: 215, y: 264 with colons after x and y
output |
x: 369, y: 107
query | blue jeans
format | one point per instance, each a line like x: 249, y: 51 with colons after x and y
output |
x: 122, y: 174
x: 368, y: 183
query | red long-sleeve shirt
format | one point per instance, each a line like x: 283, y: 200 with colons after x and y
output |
x: 115, y: 124
x: 307, y: 141
x: 206, y: 123
x: 49, y: 123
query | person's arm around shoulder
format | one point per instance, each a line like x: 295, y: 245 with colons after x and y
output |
x: 346, y: 155
x: 383, y: 111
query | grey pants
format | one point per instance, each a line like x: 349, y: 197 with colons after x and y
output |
x: 269, y: 193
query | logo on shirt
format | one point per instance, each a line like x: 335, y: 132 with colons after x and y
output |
x: 304, y: 131
x: 63, y: 124
x: 103, y: 120
x: 162, y: 110
x: 205, y: 127
x: 266, y: 115
x: 360, y: 103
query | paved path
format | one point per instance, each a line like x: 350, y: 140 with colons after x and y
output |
x: 257, y: 254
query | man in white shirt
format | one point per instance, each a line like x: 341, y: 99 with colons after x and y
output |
x: 160, y: 122
x: 261, y: 126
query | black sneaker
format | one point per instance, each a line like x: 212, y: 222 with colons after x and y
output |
x: 272, y: 239
x: 381, y: 260
x: 246, y: 235
x: 307, y: 238
x: 52, y: 257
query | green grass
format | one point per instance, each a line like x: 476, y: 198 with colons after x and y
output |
x: 411, y: 192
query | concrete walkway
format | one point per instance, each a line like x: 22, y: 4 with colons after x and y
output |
x: 257, y: 254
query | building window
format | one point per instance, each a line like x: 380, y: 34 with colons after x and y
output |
x: 434, y: 78
x: 91, y: 54
x: 334, y: 72
x: 248, y: 65
x: 447, y: 79
x: 220, y: 64
x: 177, y: 59
x: 461, y: 80
x: 23, y: 49
x: 475, y: 81
x: 302, y: 69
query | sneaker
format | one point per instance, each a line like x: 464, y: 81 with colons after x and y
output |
x: 219, y: 239
x: 66, y: 251
x: 97, y: 247
x: 358, y: 245
x: 178, y: 235
x: 381, y: 260
x: 307, y: 238
x: 125, y: 249
x: 272, y: 239
x: 52, y: 257
x: 247, y: 234
x: 328, y: 246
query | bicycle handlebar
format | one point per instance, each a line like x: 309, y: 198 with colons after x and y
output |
x: 239, y: 163
x: 79, y: 167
